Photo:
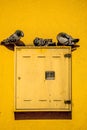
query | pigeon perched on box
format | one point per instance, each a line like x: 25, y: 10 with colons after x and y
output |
x: 13, y: 40
x: 66, y: 40
x: 43, y: 42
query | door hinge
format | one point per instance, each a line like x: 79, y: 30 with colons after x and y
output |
x: 67, y: 101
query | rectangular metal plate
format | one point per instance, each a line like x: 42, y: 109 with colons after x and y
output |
x: 42, y: 79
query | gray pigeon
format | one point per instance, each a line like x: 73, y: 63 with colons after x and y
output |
x: 16, y: 36
x: 43, y: 42
x: 13, y: 40
x: 66, y: 40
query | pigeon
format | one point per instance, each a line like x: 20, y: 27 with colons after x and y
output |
x: 66, y: 40
x: 43, y: 42
x: 13, y: 40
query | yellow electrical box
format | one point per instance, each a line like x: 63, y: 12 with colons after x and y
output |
x: 43, y: 78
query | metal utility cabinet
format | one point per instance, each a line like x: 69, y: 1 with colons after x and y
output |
x: 43, y: 78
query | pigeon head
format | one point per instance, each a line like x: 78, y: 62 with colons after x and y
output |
x: 19, y: 33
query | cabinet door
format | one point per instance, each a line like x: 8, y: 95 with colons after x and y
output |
x: 43, y: 79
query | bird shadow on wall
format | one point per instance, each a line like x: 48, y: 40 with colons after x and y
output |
x: 43, y: 115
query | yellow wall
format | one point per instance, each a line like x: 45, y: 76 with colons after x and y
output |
x: 44, y: 18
